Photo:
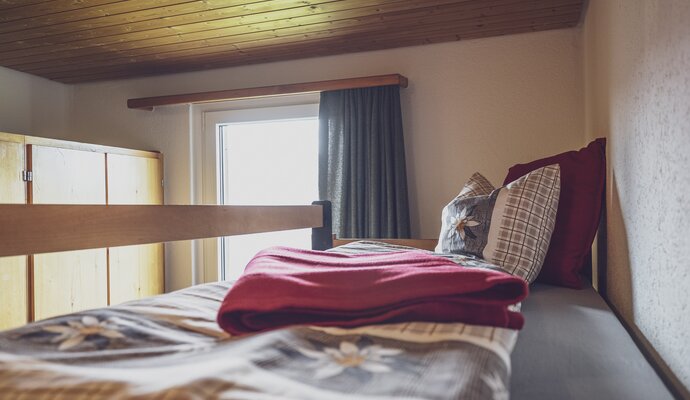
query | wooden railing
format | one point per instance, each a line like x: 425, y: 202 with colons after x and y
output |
x: 32, y: 229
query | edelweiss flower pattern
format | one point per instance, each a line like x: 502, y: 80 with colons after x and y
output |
x: 461, y: 223
x: 331, y: 361
x: 74, y: 333
x: 364, y: 362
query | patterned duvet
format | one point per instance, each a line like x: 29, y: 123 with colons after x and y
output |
x: 170, y: 347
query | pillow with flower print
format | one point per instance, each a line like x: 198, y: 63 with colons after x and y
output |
x: 510, y: 226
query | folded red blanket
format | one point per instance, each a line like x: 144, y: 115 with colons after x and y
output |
x: 284, y: 286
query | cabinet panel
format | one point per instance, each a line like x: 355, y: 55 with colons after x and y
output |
x: 134, y: 180
x: 135, y: 271
x: 11, y: 166
x: 76, y: 280
x: 14, y: 307
x: 65, y: 176
x: 69, y: 281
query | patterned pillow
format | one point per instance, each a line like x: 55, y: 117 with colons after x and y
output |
x: 510, y: 226
x: 583, y: 173
x: 476, y: 186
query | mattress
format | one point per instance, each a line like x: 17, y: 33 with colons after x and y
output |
x: 574, y: 347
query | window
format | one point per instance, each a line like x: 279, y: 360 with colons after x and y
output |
x: 266, y: 156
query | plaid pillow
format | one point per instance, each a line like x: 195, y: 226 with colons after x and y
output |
x: 476, y: 186
x: 583, y: 173
x: 510, y: 226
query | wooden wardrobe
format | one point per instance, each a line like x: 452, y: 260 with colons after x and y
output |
x: 46, y: 171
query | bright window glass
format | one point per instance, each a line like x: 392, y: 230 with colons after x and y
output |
x: 269, y: 162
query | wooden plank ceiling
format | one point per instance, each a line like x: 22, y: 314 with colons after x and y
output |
x: 76, y: 41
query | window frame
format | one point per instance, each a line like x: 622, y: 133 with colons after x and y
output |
x: 206, y: 160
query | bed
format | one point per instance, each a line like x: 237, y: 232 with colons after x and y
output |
x: 574, y: 347
x: 174, y: 349
x: 171, y: 346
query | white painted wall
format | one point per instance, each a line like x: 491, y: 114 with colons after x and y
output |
x: 479, y: 105
x: 33, y: 105
x: 637, y: 63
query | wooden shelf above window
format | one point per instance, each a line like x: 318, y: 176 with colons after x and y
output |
x: 148, y: 103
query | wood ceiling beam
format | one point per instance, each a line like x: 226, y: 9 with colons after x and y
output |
x: 13, y: 10
x: 6, y: 5
x: 265, y: 22
x: 223, y: 62
x: 307, y: 53
x: 318, y: 49
x: 314, y: 48
x: 60, y: 12
x: 148, y: 103
x: 371, y: 26
x: 164, y: 19
x: 86, y: 40
x: 330, y: 41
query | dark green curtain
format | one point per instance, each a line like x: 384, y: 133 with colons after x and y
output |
x: 362, y: 162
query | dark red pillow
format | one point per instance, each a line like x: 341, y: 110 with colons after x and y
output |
x: 579, y: 209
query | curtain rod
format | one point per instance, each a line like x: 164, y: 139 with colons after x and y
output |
x: 148, y: 103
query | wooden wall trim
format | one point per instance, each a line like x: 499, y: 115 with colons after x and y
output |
x: 33, y: 228
x: 11, y: 137
x: 148, y: 103
x: 66, y: 144
x: 95, y: 148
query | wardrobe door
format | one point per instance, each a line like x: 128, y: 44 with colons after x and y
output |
x: 14, y: 308
x: 135, y: 271
x: 74, y: 280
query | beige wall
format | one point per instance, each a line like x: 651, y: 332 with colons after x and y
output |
x: 637, y: 63
x: 473, y: 105
x: 33, y: 105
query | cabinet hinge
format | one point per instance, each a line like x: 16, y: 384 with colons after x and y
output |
x: 27, y: 176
